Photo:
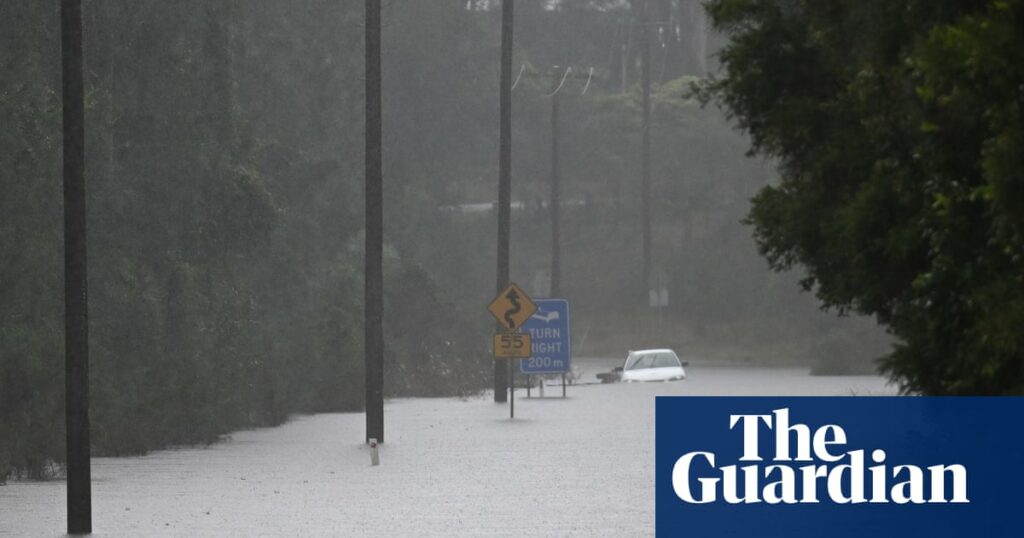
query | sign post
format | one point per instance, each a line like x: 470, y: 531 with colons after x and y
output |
x: 512, y: 307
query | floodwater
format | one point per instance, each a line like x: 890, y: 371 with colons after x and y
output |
x: 579, y: 466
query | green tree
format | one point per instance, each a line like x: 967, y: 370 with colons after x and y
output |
x: 898, y: 129
x: 224, y: 177
x: 31, y: 315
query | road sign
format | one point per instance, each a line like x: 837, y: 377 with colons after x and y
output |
x: 551, y: 351
x: 512, y: 345
x: 512, y: 307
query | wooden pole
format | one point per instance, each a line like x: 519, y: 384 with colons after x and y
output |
x: 556, y: 202
x: 373, y: 313
x: 76, y: 302
x: 645, y: 145
x: 501, y: 371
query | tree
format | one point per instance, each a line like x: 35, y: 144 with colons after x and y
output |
x: 225, y: 167
x: 898, y: 128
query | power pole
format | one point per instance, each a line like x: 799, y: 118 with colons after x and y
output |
x: 558, y: 80
x: 373, y: 307
x: 645, y: 143
x: 76, y: 301
x: 556, y: 201
x: 503, y: 372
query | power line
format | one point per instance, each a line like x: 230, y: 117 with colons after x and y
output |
x: 561, y: 83
x: 590, y: 77
x: 522, y: 69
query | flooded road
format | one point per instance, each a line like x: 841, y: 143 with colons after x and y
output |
x: 579, y: 466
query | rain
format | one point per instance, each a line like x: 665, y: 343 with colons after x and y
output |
x: 383, y: 268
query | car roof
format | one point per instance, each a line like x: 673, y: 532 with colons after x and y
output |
x: 650, y: 351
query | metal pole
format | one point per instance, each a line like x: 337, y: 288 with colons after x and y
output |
x: 373, y: 308
x: 556, y: 262
x: 645, y: 145
x: 76, y: 302
x: 511, y: 390
x: 501, y: 375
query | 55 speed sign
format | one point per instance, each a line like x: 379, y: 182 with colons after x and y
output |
x: 512, y: 345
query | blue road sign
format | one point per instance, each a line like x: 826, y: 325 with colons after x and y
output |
x: 549, y: 330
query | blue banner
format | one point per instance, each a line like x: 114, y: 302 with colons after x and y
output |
x: 551, y: 351
x: 839, y: 467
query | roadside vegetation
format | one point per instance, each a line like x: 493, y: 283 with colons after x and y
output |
x: 224, y: 175
x: 898, y: 129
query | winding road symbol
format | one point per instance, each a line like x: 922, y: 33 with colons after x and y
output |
x: 512, y: 307
x: 513, y: 298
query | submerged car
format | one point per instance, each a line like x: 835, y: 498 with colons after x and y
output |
x: 653, y: 365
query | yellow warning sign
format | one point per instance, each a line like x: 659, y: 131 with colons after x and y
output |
x: 512, y: 307
x: 512, y: 345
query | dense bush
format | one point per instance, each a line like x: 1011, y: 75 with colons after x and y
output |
x: 223, y: 210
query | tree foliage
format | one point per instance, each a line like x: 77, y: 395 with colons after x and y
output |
x: 898, y: 130
x: 223, y: 173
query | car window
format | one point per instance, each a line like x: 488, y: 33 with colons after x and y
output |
x: 665, y: 360
x: 644, y: 361
x: 651, y: 360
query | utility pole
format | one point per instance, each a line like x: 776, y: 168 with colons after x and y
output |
x: 503, y: 372
x: 645, y: 143
x: 76, y: 302
x: 558, y: 78
x: 373, y: 307
x: 556, y: 200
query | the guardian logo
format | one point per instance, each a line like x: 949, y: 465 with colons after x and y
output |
x: 842, y: 466
x: 808, y: 467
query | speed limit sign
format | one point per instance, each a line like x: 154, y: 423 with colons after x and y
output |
x: 512, y: 345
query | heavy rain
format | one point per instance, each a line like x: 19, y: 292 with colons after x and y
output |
x: 404, y: 267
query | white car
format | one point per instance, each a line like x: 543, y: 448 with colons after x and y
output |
x: 653, y: 365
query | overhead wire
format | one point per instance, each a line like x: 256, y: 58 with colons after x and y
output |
x: 562, y: 83
x: 522, y: 68
x: 590, y: 77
